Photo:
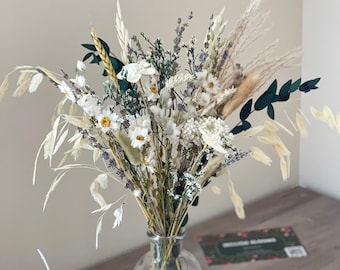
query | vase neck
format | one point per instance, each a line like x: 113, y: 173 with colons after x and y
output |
x: 163, y: 247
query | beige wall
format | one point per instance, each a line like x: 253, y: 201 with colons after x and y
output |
x: 48, y: 33
x: 321, y: 58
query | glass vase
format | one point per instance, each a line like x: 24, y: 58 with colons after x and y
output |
x: 166, y: 253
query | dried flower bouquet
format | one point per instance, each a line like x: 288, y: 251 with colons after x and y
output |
x: 163, y: 131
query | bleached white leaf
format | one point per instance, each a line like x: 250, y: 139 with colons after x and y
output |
x: 48, y: 145
x: 99, y: 182
x: 99, y: 229
x: 35, y: 82
x: 43, y: 259
x: 75, y: 121
x: 118, y: 214
x: 52, y: 187
x: 22, y: 88
x: 60, y: 141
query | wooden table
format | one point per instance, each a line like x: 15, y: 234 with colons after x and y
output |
x: 315, y: 219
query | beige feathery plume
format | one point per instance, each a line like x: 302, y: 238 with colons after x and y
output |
x: 257, y: 154
x: 329, y: 116
x: 3, y: 87
x: 236, y: 200
x: 104, y: 57
x: 253, y: 131
x: 241, y: 94
x: 300, y: 123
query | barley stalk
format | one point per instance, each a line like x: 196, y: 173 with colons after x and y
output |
x: 104, y: 57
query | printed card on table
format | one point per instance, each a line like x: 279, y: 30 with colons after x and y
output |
x: 230, y: 248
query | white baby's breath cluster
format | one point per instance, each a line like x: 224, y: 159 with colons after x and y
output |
x: 161, y: 131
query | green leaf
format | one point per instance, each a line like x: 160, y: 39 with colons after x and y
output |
x: 185, y: 221
x: 237, y: 129
x: 196, y: 201
x: 116, y: 64
x: 90, y: 47
x: 284, y: 91
x: 87, y: 56
x: 295, y: 86
x: 246, y: 125
x: 96, y: 59
x: 267, y: 97
x: 270, y: 111
x: 246, y: 110
x: 309, y: 85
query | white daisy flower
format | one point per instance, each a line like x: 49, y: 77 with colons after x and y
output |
x: 108, y: 120
x: 151, y: 92
x: 64, y: 88
x: 211, y: 84
x: 149, y: 162
x: 134, y: 71
x: 138, y: 136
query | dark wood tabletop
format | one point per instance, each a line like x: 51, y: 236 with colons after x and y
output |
x: 314, y: 217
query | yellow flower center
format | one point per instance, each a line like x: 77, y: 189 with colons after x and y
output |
x: 153, y: 89
x: 139, y: 138
x: 211, y: 84
x: 105, y: 121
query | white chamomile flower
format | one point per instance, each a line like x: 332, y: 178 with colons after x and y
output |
x: 134, y: 71
x: 118, y: 214
x: 138, y: 136
x: 211, y: 84
x: 64, y: 88
x: 149, y: 162
x: 80, y: 66
x: 151, y: 92
x: 108, y: 120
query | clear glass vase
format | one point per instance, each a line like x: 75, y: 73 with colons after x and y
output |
x: 166, y: 253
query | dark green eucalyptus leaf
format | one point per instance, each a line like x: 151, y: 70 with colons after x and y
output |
x: 185, y: 221
x: 116, y: 64
x: 87, y: 56
x: 246, y: 125
x: 90, y: 47
x: 206, y: 183
x: 270, y: 111
x: 196, y: 201
x: 284, y: 91
x: 124, y: 85
x: 246, y: 110
x: 105, y: 73
x: 237, y: 129
x: 267, y: 97
x: 96, y: 59
x: 309, y: 85
x: 295, y: 86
